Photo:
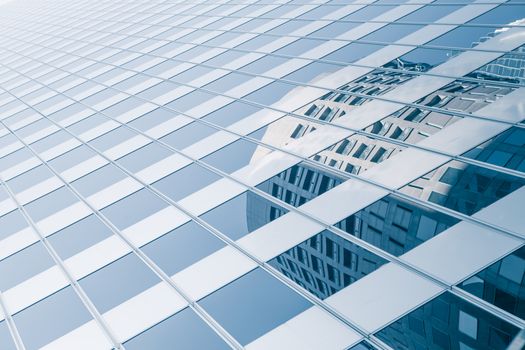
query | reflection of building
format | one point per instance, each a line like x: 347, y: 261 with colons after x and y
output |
x: 502, y: 283
x: 326, y: 263
x: 509, y: 67
x: 461, y: 187
x: 396, y: 225
x: 448, y: 322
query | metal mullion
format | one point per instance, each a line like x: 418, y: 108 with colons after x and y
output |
x: 11, y: 325
x: 333, y: 171
x: 61, y: 265
x: 342, y: 64
x: 147, y: 261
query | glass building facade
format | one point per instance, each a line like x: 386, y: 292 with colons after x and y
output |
x: 272, y: 174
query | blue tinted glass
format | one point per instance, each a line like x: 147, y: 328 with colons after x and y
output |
x: 189, y: 101
x: 6, y: 342
x: 299, y: 184
x: 29, y: 178
x: 118, y: 282
x: 299, y: 47
x: 429, y: 13
x: 79, y: 236
x: 368, y: 13
x: 133, y: 208
x: 152, y: 119
x: 235, y: 156
x: 503, y: 14
x: 313, y: 70
x: 423, y: 59
x: 326, y: 263
x: 185, y: 181
x: 182, y: 247
x: 392, y: 32
x: 227, y: 82
x: 396, y: 225
x: 270, y: 94
x: 334, y: 29
x: 144, y: 157
x: 502, y: 283
x: 253, y: 305
x: 464, y: 37
x: 288, y: 27
x: 72, y: 158
x: 188, y: 135
x: 12, y: 222
x: 231, y: 113
x: 112, y: 138
x: 23, y: 265
x: 448, y: 322
x: 352, y: 52
x: 257, y: 43
x: 264, y: 64
x: 243, y: 214
x: 50, y: 203
x: 184, y: 330
x: 55, y: 316
x: 98, y: 180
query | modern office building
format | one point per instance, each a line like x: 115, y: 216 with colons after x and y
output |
x: 272, y: 174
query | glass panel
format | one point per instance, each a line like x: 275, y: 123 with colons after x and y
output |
x: 352, y: 52
x: 133, y: 208
x: 501, y: 283
x: 392, y: 32
x: 429, y: 13
x: 506, y: 150
x: 462, y: 187
x: 231, y: 113
x: 188, y: 135
x: 448, y: 322
x: 53, y: 318
x: 71, y: 158
x: 299, y: 184
x: 50, y: 204
x: 6, y: 342
x: 152, y: 119
x: 29, y: 179
x: 79, y: 236
x: 112, y: 138
x: 144, y: 157
x: 326, y: 263
x: 185, y: 181
x: 396, y: 225
x: 98, y: 180
x: 23, y: 265
x: 253, y: 305
x: 184, y: 330
x: 243, y: 214
x: 236, y: 155
x: 118, y: 282
x: 182, y: 247
x: 12, y: 222
x: 510, y: 67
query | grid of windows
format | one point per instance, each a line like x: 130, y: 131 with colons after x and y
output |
x: 262, y: 174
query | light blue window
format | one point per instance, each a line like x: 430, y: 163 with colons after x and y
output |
x: 429, y: 13
x: 50, y: 203
x: 234, y: 156
x: 367, y: 13
x: 426, y: 58
x: 225, y: 58
x: 185, y: 181
x: 220, y: 40
x: 252, y: 25
x: 15, y: 158
x: 34, y: 127
x: 188, y: 135
x: 288, y: 27
x: 23, y: 265
x: 227, y: 82
x: 144, y: 157
x: 281, y: 11
x: 12, y: 222
x: 320, y: 12
x: 98, y: 180
x: 231, y: 113
x: 182, y: 247
x: 392, y: 32
x: 71, y: 158
x: 253, y: 305
x: 311, y: 71
x: 29, y: 178
x: 352, y: 52
x: 257, y: 43
x: 334, y: 29
x: 191, y: 100
x: 87, y: 124
x: 51, y: 141
x: 133, y: 208
x: 243, y: 214
x: 184, y: 330
x: 112, y: 138
x: 6, y: 342
x: 136, y: 83
x: 464, y: 37
x: 79, y: 236
x: 299, y: 47
x: 55, y: 316
x: 503, y: 14
x: 191, y: 74
x: 122, y: 107
x: 118, y: 282
x: 271, y: 93
x: 152, y: 119
x: 158, y: 90
x: 191, y: 53
x: 264, y: 64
